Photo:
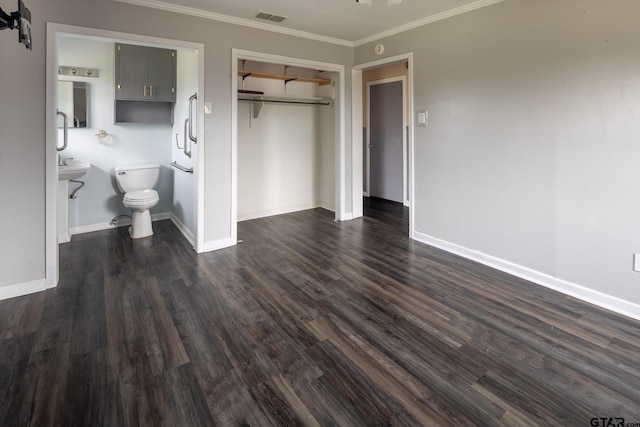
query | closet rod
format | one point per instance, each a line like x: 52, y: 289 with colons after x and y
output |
x: 277, y: 101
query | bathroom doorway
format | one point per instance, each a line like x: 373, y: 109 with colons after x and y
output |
x: 108, y: 143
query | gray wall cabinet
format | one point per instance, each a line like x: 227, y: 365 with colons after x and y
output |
x: 145, y: 80
x: 145, y: 73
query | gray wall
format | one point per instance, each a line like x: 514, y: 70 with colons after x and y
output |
x: 533, y: 145
x: 22, y: 112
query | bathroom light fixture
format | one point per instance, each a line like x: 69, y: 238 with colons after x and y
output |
x: 370, y: 2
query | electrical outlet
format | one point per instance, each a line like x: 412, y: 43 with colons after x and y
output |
x: 636, y: 262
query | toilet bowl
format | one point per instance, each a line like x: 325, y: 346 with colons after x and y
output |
x: 137, y: 182
x: 140, y: 202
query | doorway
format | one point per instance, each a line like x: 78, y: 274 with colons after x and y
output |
x: 386, y: 148
x: 54, y: 33
x: 360, y: 75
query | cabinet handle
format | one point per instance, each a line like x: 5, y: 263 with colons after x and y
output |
x: 144, y: 91
x: 151, y: 90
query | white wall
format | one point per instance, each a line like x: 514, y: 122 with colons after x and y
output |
x: 325, y: 128
x: 183, y: 183
x: 23, y: 101
x: 282, y: 154
x: 100, y: 200
x: 531, y: 155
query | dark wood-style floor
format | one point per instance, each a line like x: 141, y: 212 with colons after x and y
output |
x: 306, y: 322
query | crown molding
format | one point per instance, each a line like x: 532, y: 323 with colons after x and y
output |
x: 237, y: 21
x: 154, y: 4
x: 428, y: 20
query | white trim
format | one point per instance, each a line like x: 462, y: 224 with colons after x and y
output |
x: 237, y: 21
x: 356, y: 144
x: 277, y: 211
x: 125, y: 222
x: 591, y: 296
x: 101, y: 226
x: 340, y: 129
x: 305, y: 34
x: 214, y: 245
x: 427, y: 20
x: 51, y: 169
x: 199, y: 166
x: 20, y: 289
x: 183, y: 228
x: 51, y: 163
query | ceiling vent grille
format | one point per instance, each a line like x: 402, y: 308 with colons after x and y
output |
x: 270, y: 17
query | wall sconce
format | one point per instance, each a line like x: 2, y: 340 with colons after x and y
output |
x: 64, y: 70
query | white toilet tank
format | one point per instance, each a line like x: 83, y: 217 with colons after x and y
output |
x: 137, y: 177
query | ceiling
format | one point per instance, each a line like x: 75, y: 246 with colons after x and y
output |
x: 339, y: 21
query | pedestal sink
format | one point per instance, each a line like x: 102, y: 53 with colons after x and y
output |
x: 73, y: 169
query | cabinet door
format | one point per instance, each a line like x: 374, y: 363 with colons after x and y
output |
x: 131, y: 72
x: 161, y: 78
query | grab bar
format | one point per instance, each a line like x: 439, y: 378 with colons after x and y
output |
x: 186, y: 125
x: 191, y: 99
x: 182, y: 168
x: 65, y: 129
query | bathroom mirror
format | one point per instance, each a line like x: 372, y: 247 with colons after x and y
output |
x: 72, y: 100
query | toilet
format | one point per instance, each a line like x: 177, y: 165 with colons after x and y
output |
x: 137, y: 183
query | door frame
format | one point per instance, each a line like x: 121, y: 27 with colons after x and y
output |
x: 357, y: 137
x: 405, y: 156
x: 55, y: 30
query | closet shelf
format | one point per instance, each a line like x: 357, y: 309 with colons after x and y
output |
x: 321, y: 82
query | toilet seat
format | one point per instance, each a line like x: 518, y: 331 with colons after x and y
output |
x: 141, y: 197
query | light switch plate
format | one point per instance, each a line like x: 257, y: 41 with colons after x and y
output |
x: 208, y: 107
x: 423, y: 118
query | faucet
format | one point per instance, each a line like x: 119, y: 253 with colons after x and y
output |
x: 63, y: 162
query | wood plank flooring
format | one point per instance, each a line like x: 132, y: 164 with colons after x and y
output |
x: 306, y: 322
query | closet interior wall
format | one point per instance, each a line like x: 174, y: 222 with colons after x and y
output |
x: 286, y: 155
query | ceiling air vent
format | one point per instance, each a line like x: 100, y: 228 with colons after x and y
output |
x: 270, y: 17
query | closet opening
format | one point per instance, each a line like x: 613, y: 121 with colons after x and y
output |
x: 289, y: 136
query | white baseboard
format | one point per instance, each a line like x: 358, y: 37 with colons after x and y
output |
x: 214, y: 245
x: 277, y: 211
x: 591, y: 296
x: 183, y: 229
x: 124, y: 222
x: 330, y: 206
x: 20, y: 289
x: 348, y: 216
